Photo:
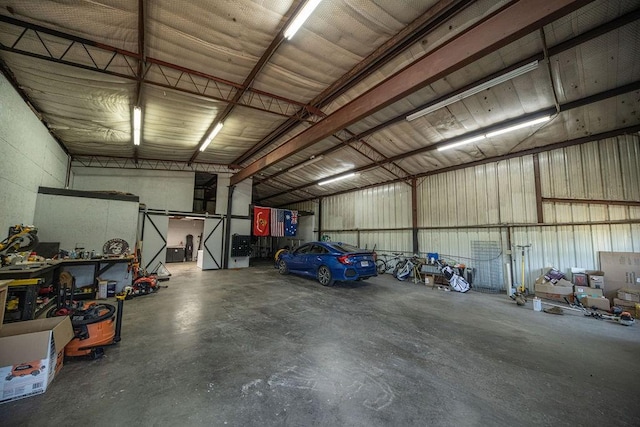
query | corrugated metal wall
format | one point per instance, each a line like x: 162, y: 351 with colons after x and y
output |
x: 495, y: 204
x: 373, y: 212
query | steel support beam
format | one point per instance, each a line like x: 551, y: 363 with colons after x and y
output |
x: 146, y: 164
x: 631, y: 87
x: 509, y: 24
x: 555, y: 146
x: 240, y: 93
x: 555, y: 50
x: 83, y: 53
x: 419, y: 28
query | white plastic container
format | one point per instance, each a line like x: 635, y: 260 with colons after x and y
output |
x: 537, y: 304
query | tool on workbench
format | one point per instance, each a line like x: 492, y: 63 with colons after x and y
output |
x: 21, y: 238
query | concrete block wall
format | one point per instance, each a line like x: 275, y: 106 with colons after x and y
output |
x: 30, y: 158
x: 163, y: 190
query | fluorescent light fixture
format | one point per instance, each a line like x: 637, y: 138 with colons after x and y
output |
x: 477, y: 89
x: 300, y: 18
x: 463, y: 142
x: 137, y: 123
x: 312, y: 160
x: 212, y: 135
x: 518, y: 126
x: 339, y: 178
x: 495, y: 133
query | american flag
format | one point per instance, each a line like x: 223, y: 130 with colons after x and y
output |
x: 277, y: 222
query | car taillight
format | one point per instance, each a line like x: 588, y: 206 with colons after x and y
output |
x: 344, y: 259
x: 375, y: 256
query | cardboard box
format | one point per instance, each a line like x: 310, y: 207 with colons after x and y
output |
x: 553, y: 275
x: 102, y: 289
x: 599, y: 303
x: 429, y: 280
x: 582, y: 291
x: 628, y: 294
x: 596, y: 279
x: 622, y: 270
x: 31, y: 353
x: 628, y: 305
x: 550, y: 291
x: 580, y: 279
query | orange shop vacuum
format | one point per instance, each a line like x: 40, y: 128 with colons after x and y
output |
x: 95, y: 325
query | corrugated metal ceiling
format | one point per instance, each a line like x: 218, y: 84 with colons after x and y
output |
x: 198, y: 55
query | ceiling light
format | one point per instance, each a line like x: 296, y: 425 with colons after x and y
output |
x: 349, y: 175
x: 137, y: 123
x: 483, y: 86
x: 212, y: 135
x: 304, y: 14
x: 463, y: 142
x: 311, y: 160
x: 495, y: 132
x: 518, y: 126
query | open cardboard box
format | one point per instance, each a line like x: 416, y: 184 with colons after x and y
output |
x: 31, y: 354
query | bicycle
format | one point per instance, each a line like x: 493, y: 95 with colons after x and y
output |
x: 387, y: 264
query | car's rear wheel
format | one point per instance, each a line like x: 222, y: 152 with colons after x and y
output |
x: 282, y: 267
x: 324, y: 276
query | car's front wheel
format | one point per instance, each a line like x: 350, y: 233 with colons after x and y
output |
x: 324, y: 276
x: 282, y: 267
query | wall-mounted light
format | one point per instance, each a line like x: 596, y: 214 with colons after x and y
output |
x: 339, y: 178
x: 300, y: 18
x: 496, y: 132
x: 137, y: 124
x: 476, y: 89
x: 311, y: 161
x: 212, y: 135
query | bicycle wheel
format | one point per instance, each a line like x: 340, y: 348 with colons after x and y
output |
x: 381, y: 266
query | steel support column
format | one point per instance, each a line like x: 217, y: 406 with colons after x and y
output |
x: 414, y: 215
x: 227, y: 231
x: 538, y: 188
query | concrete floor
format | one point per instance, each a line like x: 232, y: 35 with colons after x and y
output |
x: 251, y: 347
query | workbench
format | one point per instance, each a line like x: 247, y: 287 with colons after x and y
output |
x: 25, y: 282
x: 85, y: 271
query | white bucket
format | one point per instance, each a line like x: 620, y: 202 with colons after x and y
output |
x: 537, y: 304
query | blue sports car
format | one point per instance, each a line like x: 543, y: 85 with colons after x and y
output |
x: 329, y: 262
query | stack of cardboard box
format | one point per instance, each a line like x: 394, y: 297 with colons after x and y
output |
x: 623, y: 271
x: 553, y: 286
x: 629, y: 299
x: 593, y: 295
